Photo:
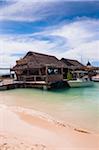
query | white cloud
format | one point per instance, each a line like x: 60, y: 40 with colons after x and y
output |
x: 82, y: 38
x: 85, y: 52
x: 78, y: 32
x: 7, y: 60
x: 13, y: 45
x: 22, y: 10
x: 76, y: 40
x: 31, y: 10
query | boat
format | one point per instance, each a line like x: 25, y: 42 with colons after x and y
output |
x: 80, y: 82
x: 95, y: 78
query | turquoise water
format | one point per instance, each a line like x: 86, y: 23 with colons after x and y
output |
x: 78, y: 107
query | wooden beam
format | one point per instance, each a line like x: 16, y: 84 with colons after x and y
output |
x: 46, y: 74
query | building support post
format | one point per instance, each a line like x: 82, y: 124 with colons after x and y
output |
x: 62, y: 72
x: 40, y: 74
x: 46, y: 75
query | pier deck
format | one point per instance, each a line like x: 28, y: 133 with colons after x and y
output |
x: 7, y: 84
x: 11, y: 84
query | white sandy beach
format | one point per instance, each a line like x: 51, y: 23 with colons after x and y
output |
x: 24, y: 129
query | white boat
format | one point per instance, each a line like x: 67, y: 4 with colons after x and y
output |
x: 95, y: 78
x: 80, y: 83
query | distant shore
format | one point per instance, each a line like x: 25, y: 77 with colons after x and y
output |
x: 27, y: 129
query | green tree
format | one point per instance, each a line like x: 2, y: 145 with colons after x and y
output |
x: 69, y: 76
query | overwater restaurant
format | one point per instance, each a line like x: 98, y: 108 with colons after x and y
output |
x: 39, y: 67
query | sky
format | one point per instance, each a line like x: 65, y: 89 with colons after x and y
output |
x: 68, y: 29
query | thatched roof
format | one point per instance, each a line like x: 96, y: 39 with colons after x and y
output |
x: 37, y: 60
x: 73, y: 64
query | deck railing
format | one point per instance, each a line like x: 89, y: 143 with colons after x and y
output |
x: 46, y: 78
x: 33, y: 78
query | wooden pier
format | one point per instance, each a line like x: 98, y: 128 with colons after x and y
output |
x: 8, y: 84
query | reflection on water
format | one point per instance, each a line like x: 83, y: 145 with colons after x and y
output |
x: 76, y: 106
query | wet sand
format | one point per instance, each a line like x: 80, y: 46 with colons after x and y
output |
x: 25, y: 129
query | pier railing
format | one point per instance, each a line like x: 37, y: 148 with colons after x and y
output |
x: 6, y: 82
x: 11, y: 82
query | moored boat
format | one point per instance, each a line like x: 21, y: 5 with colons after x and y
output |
x: 95, y: 78
x: 80, y: 83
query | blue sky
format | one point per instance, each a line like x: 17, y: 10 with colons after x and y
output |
x: 68, y: 29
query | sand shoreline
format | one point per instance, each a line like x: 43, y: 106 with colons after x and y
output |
x: 40, y: 131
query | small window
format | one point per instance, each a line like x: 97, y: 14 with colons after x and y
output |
x: 53, y: 71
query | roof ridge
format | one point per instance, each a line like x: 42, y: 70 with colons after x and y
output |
x: 69, y: 59
x: 41, y: 54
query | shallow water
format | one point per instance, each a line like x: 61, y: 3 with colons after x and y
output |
x: 78, y: 107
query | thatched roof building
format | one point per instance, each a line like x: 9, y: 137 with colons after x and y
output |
x: 72, y: 64
x: 36, y: 66
x: 78, y: 68
x: 40, y: 67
